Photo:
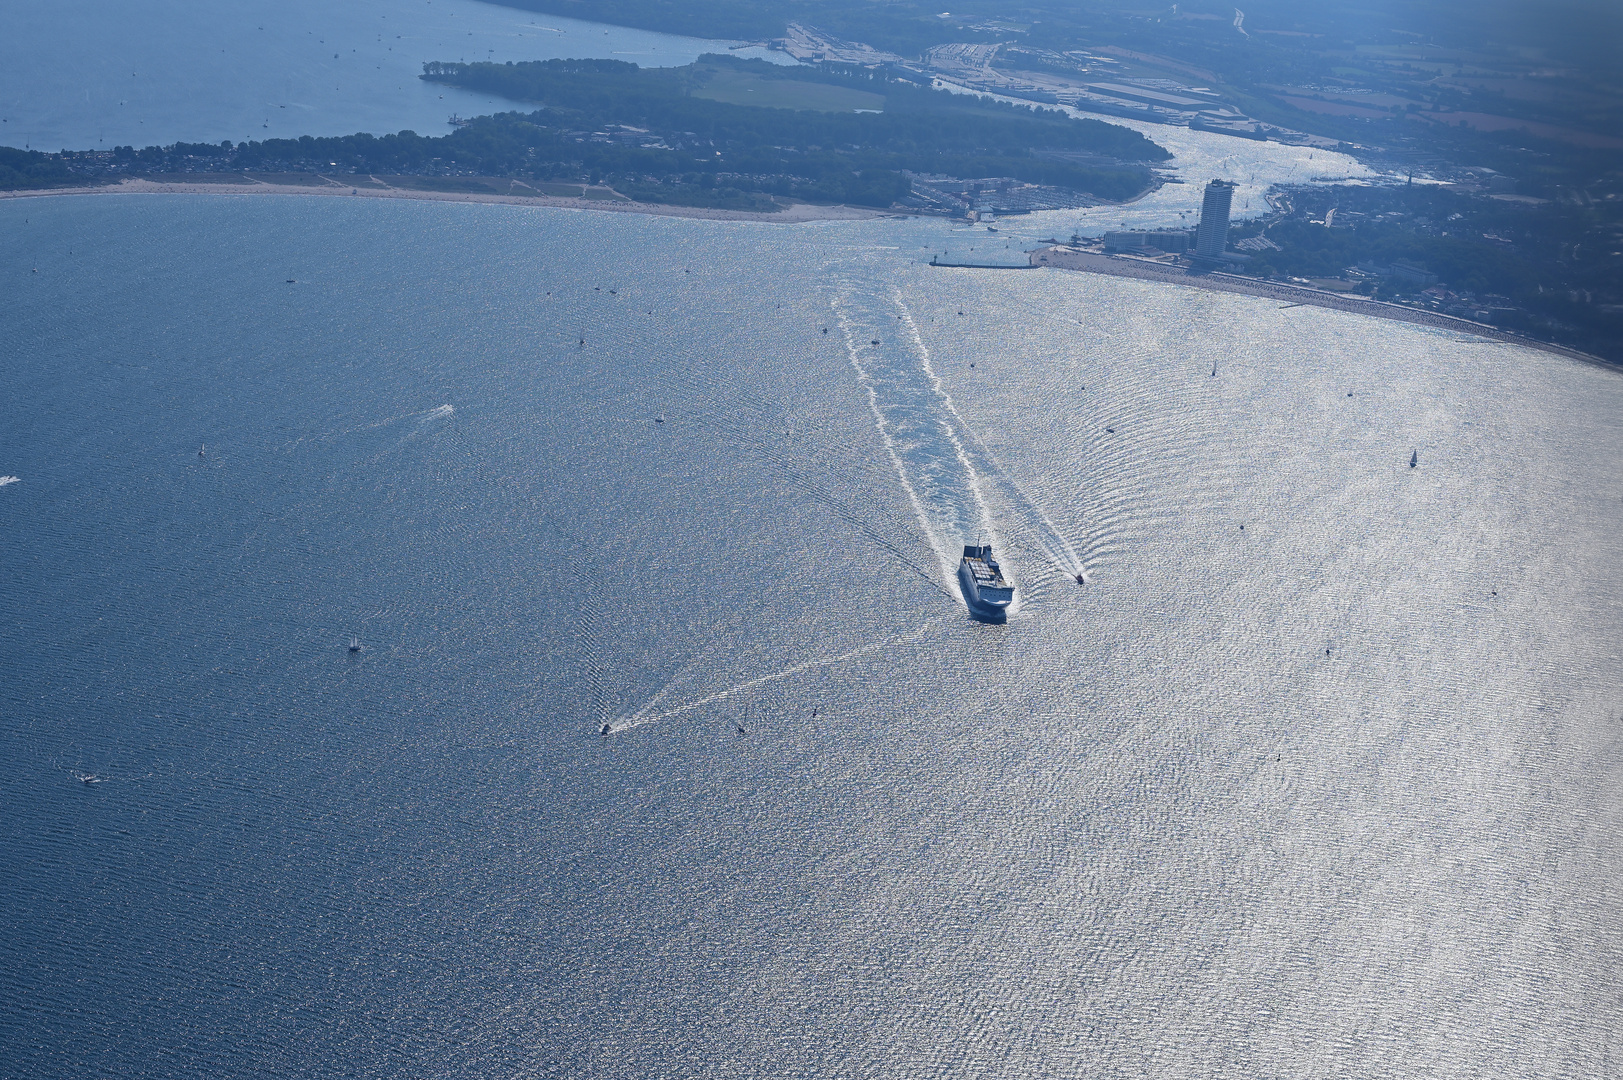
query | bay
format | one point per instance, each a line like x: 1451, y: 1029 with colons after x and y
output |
x: 1335, y: 793
x: 87, y: 75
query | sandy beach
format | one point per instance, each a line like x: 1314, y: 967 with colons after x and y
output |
x: 1069, y: 258
x: 518, y: 194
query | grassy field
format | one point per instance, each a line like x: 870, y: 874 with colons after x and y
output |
x: 744, y: 88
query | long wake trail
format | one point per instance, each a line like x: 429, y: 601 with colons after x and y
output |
x: 1055, y: 545
x: 919, y: 433
x: 647, y: 714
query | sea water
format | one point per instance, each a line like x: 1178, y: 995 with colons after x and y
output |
x: 89, y: 75
x: 1317, y: 776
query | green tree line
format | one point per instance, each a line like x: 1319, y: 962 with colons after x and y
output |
x: 839, y: 154
x: 27, y: 169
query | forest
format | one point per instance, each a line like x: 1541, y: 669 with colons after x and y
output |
x: 811, y: 154
x: 22, y: 170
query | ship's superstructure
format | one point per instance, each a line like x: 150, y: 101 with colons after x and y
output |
x: 987, y: 593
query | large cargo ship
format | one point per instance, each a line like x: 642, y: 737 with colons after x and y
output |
x: 987, y: 592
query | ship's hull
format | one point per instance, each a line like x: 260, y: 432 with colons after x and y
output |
x: 983, y: 608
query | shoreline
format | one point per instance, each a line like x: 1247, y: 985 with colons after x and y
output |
x: 1059, y: 257
x: 1062, y: 257
x: 374, y: 189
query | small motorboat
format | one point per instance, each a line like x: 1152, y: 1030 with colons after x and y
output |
x: 1080, y: 580
x: 202, y: 451
x: 660, y: 419
x: 605, y: 731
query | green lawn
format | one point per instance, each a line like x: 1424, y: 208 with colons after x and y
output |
x: 743, y: 88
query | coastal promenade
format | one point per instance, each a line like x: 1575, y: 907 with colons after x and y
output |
x: 1062, y: 257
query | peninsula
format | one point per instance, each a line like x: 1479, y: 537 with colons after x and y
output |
x: 720, y: 134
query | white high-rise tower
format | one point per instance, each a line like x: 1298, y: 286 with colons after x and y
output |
x: 1213, y: 234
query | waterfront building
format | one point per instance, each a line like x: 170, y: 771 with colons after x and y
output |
x: 1213, y: 234
x: 1172, y: 241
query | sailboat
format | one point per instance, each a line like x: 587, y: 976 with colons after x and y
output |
x: 1414, y: 458
x: 354, y: 644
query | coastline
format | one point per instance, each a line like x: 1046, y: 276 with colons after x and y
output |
x: 1059, y: 257
x: 1062, y: 257
x: 375, y: 189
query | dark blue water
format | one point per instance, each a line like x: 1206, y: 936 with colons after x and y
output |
x: 1151, y: 827
x: 91, y: 75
